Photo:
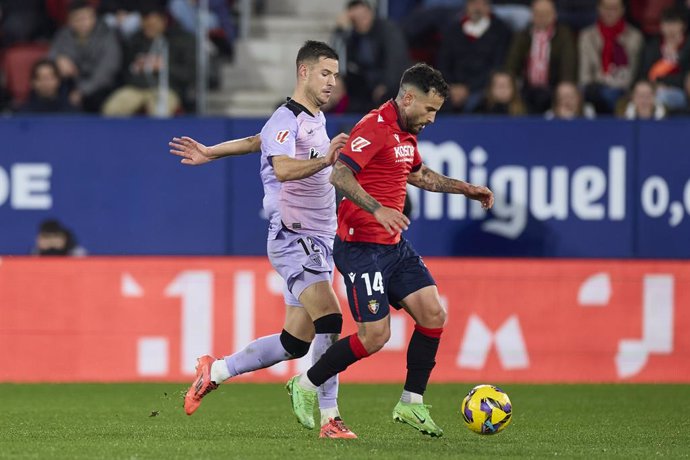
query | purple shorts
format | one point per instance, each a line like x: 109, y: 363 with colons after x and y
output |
x: 301, y: 260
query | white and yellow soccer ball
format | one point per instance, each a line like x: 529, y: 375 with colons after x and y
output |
x: 486, y: 409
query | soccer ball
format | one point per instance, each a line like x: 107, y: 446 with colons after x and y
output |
x: 486, y: 409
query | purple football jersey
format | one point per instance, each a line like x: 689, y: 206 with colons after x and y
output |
x: 306, y: 205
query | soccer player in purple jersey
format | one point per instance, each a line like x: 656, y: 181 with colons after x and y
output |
x: 296, y: 162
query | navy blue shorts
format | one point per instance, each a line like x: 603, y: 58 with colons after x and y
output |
x: 379, y: 275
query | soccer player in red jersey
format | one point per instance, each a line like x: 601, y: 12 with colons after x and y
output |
x: 379, y: 266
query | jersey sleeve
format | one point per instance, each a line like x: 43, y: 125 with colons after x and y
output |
x: 416, y: 161
x: 365, y: 141
x: 279, y: 134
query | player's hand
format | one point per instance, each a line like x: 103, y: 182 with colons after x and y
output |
x: 192, y: 152
x: 481, y: 194
x: 337, y: 143
x: 392, y: 220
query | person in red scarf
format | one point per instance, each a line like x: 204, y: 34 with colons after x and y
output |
x: 542, y: 57
x: 666, y: 60
x: 609, y: 54
x: 471, y: 48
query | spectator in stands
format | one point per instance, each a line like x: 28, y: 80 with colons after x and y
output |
x: 542, y: 56
x: 577, y: 14
x: 122, y: 16
x: 515, y: 13
x: 144, y: 61
x: 646, y: 14
x: 22, y: 21
x: 374, y: 54
x: 471, y: 49
x: 609, y: 55
x: 643, y: 103
x: 185, y: 12
x: 54, y: 239
x: 502, y: 97
x: 423, y: 28
x: 47, y: 95
x: 666, y: 60
x: 568, y: 104
x: 88, y: 56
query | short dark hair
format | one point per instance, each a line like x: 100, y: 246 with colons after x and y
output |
x: 313, y: 51
x: 673, y: 14
x: 41, y: 63
x: 51, y: 226
x: 147, y: 7
x: 353, y: 3
x: 80, y: 4
x: 425, y: 78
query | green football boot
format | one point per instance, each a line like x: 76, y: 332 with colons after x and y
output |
x: 417, y: 416
x: 303, y: 402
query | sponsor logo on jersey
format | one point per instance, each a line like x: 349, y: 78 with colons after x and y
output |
x: 313, y: 153
x: 397, y: 138
x: 282, y: 136
x: 373, y: 306
x: 352, y: 276
x: 404, y: 153
x: 358, y: 144
x: 380, y: 119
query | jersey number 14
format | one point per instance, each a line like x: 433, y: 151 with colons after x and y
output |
x: 377, y: 285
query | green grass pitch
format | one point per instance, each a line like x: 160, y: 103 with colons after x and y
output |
x: 244, y: 421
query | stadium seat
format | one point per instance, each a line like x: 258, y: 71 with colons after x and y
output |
x: 16, y: 65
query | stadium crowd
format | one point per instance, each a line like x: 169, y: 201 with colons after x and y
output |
x: 550, y: 58
x: 106, y: 56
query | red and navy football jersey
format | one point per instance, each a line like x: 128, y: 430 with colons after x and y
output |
x: 381, y: 155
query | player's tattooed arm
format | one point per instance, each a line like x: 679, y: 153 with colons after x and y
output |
x: 344, y: 181
x: 428, y: 179
x: 195, y: 153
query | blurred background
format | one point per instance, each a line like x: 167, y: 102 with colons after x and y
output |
x: 574, y: 112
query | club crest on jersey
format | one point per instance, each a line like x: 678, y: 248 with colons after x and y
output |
x: 358, y: 144
x: 317, y: 260
x: 282, y: 136
x: 373, y: 306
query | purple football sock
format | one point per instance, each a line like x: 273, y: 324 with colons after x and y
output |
x: 261, y: 353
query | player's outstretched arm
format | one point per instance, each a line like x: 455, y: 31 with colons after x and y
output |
x: 344, y: 181
x: 287, y: 168
x: 429, y: 179
x: 195, y: 153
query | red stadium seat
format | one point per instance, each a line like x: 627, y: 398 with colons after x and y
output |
x: 16, y: 65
